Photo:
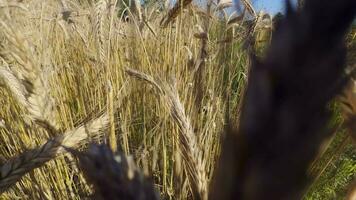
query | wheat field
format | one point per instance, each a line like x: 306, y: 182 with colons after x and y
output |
x: 152, y: 84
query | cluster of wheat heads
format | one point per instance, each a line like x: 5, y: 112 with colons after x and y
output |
x: 25, y: 72
x: 66, y: 63
x: 27, y: 66
x: 60, y: 62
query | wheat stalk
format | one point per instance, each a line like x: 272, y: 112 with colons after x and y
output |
x: 191, y: 150
x: 13, y: 5
x: 137, y: 9
x: 112, y: 137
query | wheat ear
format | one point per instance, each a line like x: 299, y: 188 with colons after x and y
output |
x: 191, y: 150
x: 174, y: 12
x: 100, y: 8
x: 12, y: 171
x: 15, y: 168
x: 29, y: 81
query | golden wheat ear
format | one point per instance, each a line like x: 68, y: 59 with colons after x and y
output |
x: 99, y: 26
x: 348, y: 105
x: 28, y: 79
x: 174, y: 12
x: 13, y: 170
x: 191, y: 150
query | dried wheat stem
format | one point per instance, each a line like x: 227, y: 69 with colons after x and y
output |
x: 137, y: 9
x: 64, y: 4
x: 112, y: 136
x: 13, y: 5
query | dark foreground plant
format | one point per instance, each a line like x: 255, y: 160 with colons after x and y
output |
x: 284, y: 115
x: 114, y: 175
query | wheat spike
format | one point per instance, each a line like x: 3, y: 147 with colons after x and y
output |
x: 191, y: 150
x: 14, y: 169
x: 174, y: 12
x: 100, y: 8
x: 14, y: 84
x: 29, y: 83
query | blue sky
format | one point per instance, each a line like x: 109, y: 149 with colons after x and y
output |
x: 270, y: 6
